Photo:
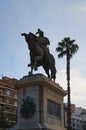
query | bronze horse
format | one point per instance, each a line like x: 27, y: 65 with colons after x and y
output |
x: 38, y: 56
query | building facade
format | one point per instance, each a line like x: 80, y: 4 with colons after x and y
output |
x: 78, y: 117
x: 77, y: 123
x: 8, y: 102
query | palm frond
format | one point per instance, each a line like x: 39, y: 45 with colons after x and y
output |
x: 59, y: 49
x: 74, y: 49
x: 61, y: 44
x: 62, y: 54
x: 65, y: 44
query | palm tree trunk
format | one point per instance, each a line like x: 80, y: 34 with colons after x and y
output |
x: 68, y: 90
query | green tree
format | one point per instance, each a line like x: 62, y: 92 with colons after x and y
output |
x: 67, y: 48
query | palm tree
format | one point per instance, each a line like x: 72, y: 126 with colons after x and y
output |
x: 67, y: 48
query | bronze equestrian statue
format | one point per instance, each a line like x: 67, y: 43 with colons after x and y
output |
x: 39, y: 54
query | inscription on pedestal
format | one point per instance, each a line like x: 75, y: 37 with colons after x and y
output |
x: 53, y: 109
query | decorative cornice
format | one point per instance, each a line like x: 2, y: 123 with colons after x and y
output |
x: 40, y: 79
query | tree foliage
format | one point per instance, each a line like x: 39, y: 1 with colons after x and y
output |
x: 65, y: 45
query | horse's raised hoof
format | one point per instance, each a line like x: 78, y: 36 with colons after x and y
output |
x: 29, y: 65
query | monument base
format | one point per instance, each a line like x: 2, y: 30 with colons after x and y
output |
x: 48, y: 99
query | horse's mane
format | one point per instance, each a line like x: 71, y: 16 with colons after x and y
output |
x: 33, y: 36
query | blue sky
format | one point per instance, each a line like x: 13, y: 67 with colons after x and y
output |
x: 58, y: 19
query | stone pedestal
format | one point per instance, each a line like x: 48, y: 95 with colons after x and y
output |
x: 48, y: 99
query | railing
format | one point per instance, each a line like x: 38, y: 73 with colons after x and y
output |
x: 8, y: 104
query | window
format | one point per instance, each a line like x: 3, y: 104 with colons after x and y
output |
x: 15, y: 103
x: 8, y: 101
x: 16, y: 96
x: 1, y: 111
x: 15, y: 111
x: 8, y: 92
x: 1, y: 91
x: 8, y: 109
x: 1, y: 106
x: 73, y: 125
x: 54, y: 109
x: 1, y: 99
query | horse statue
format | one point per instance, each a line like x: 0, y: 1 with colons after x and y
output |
x: 40, y: 56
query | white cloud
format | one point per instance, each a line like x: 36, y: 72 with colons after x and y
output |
x: 77, y: 85
x: 82, y: 7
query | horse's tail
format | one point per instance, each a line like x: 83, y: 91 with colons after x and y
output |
x: 52, y: 59
x: 52, y: 67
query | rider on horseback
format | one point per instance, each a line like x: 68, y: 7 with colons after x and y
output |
x: 43, y: 42
x: 39, y: 53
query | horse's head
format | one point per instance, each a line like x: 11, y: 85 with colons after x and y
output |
x: 23, y: 34
x: 30, y: 39
x: 27, y: 37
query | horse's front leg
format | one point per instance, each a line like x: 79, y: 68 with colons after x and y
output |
x: 29, y: 65
x: 46, y: 70
x: 37, y: 58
